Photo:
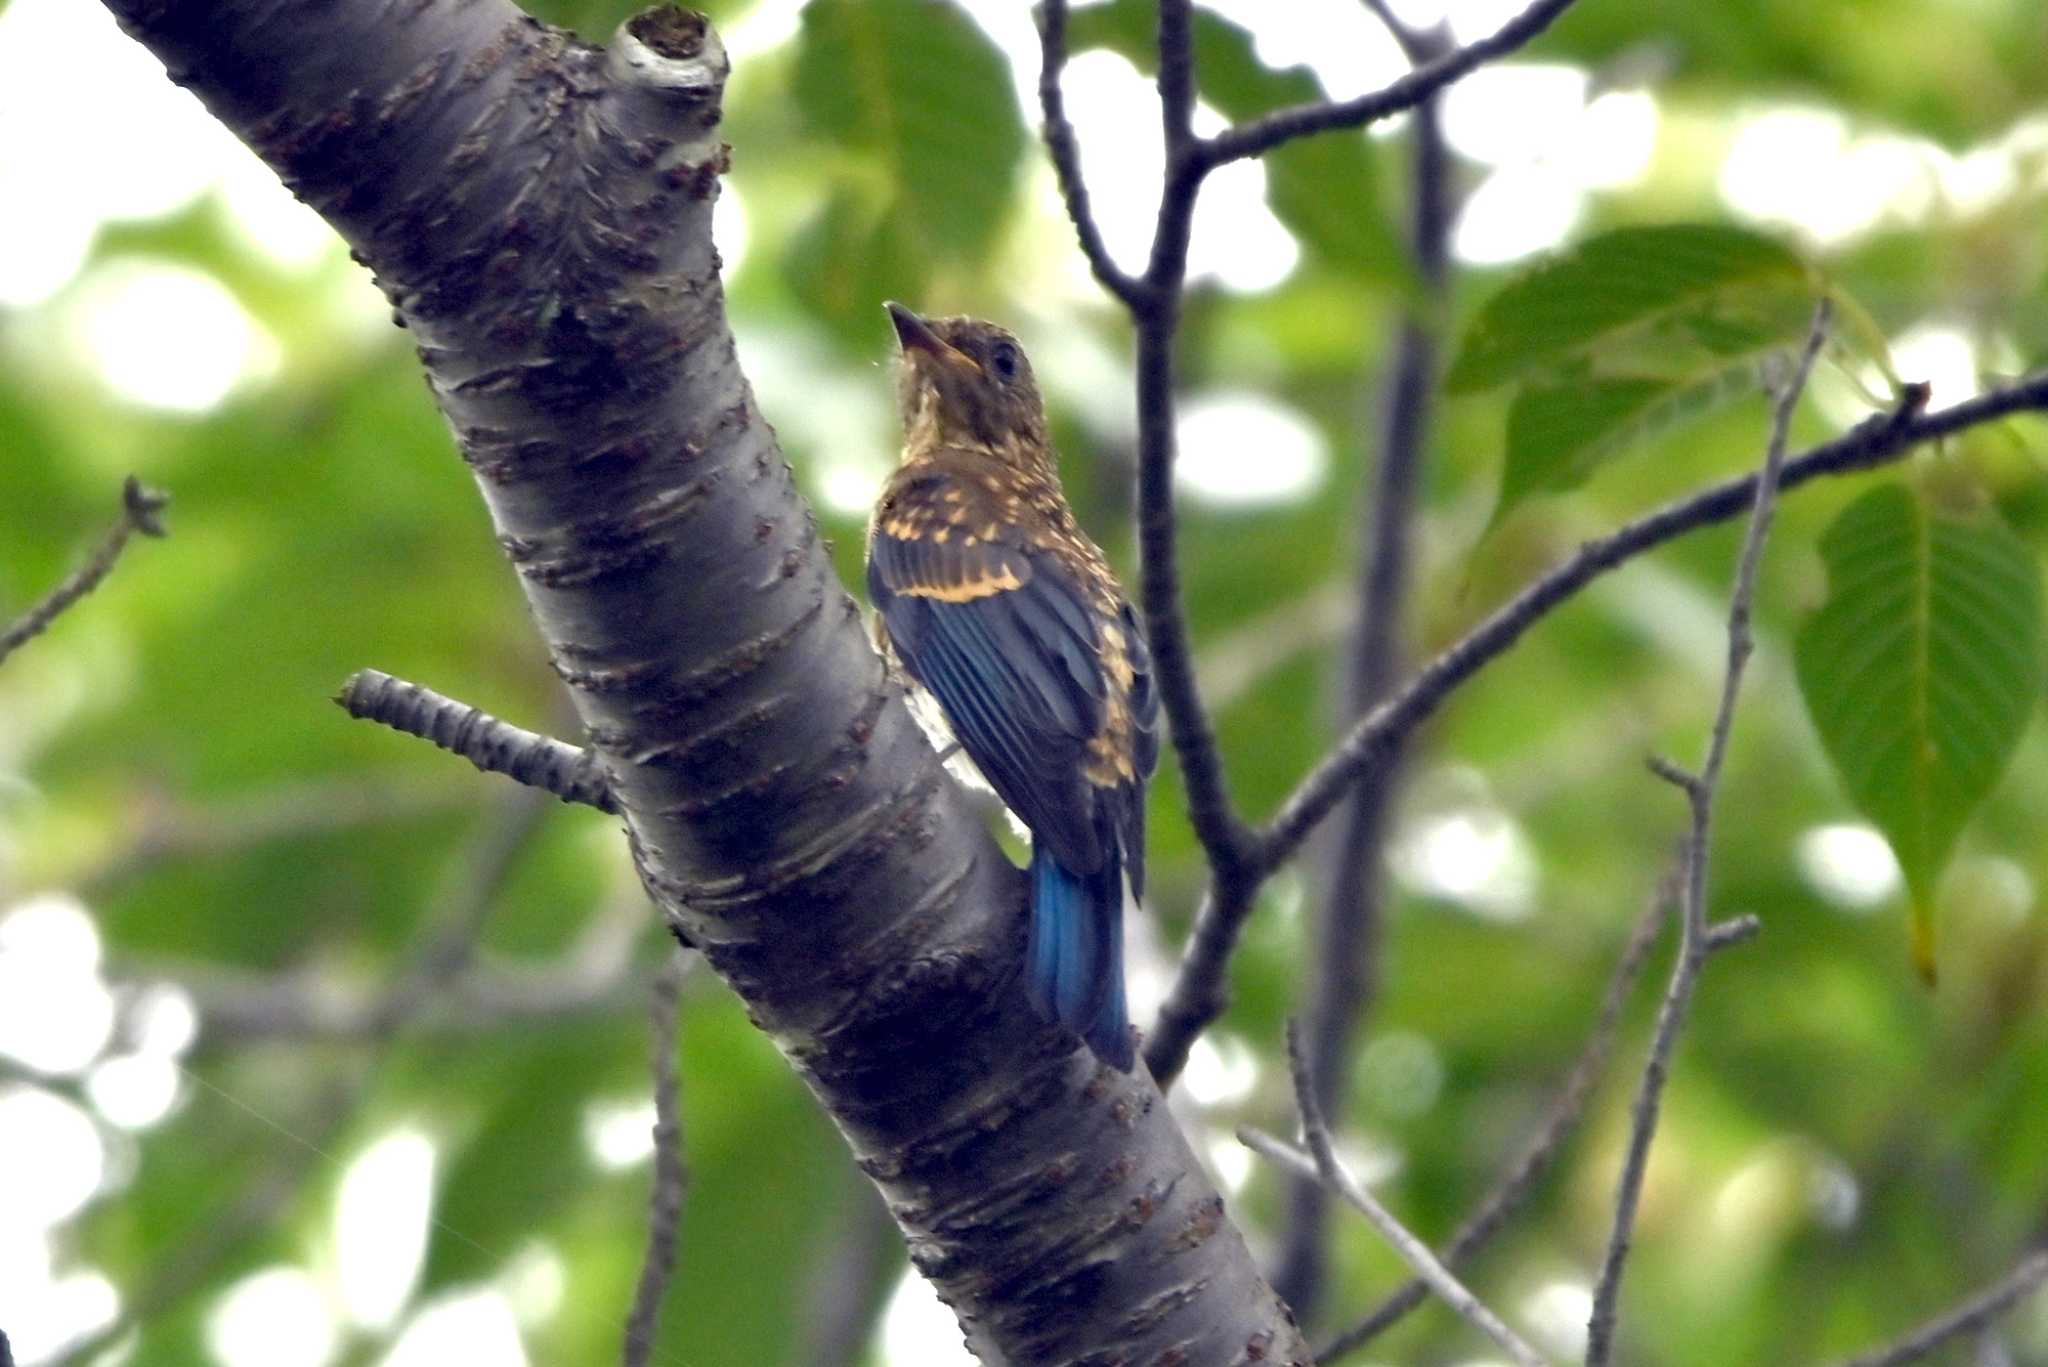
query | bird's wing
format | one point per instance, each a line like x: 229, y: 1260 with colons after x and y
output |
x: 1002, y: 637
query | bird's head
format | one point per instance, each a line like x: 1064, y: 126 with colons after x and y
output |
x: 965, y: 384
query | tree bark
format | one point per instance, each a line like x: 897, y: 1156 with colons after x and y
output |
x: 538, y: 211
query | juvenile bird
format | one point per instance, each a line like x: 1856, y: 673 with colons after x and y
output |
x: 997, y: 603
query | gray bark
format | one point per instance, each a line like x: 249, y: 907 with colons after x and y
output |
x: 538, y: 211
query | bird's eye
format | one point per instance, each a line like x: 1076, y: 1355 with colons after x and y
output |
x: 1004, y: 358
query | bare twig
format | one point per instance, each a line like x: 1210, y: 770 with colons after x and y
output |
x: 1695, y: 941
x: 1065, y: 152
x: 1350, y: 913
x: 141, y: 511
x: 1263, y: 134
x: 1559, y: 1121
x: 1154, y: 305
x: 1975, y: 1313
x: 494, y: 746
x: 1321, y: 1160
x: 671, y: 1174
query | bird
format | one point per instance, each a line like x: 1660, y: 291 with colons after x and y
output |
x: 991, y: 599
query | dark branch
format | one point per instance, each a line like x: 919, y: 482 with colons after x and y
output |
x: 494, y: 746
x: 1350, y: 913
x: 141, y: 511
x: 1065, y: 152
x: 1225, y: 838
x: 1176, y: 76
x: 1562, y: 1117
x: 1695, y: 941
x: 671, y: 1174
x: 1974, y: 1313
x: 1263, y: 134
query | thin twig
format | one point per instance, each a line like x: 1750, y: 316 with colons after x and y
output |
x: 1350, y: 913
x: 1263, y: 134
x: 1694, y: 942
x: 141, y: 511
x: 1062, y: 147
x: 1321, y: 1160
x: 494, y: 746
x: 1975, y: 1313
x: 1154, y: 306
x: 1559, y: 1121
x: 671, y: 1173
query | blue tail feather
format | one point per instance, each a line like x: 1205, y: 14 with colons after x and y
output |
x: 1074, y: 964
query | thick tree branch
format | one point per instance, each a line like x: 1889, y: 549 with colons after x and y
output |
x: 1560, y: 1120
x: 671, y: 1173
x: 493, y: 746
x: 1349, y: 930
x: 539, y: 213
x: 1978, y: 1311
x: 141, y: 511
x: 1694, y: 942
x: 1263, y: 134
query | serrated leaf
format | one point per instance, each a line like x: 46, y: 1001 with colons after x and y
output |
x: 1325, y: 188
x: 1560, y: 433
x: 919, y: 87
x: 1919, y: 671
x: 1710, y: 283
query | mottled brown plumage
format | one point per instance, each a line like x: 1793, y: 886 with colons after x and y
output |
x: 994, y: 599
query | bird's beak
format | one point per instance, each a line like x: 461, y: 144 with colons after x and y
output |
x: 916, y: 336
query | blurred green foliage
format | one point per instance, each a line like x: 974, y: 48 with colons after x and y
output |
x: 1843, y: 1150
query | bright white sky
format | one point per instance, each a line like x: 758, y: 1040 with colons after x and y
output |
x: 164, y: 337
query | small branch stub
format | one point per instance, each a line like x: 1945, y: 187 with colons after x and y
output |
x: 494, y: 746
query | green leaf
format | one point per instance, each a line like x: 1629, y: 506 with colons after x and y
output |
x: 1560, y: 433
x: 920, y: 89
x: 1714, y: 286
x: 1325, y: 188
x: 1919, y: 671
x: 848, y: 258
